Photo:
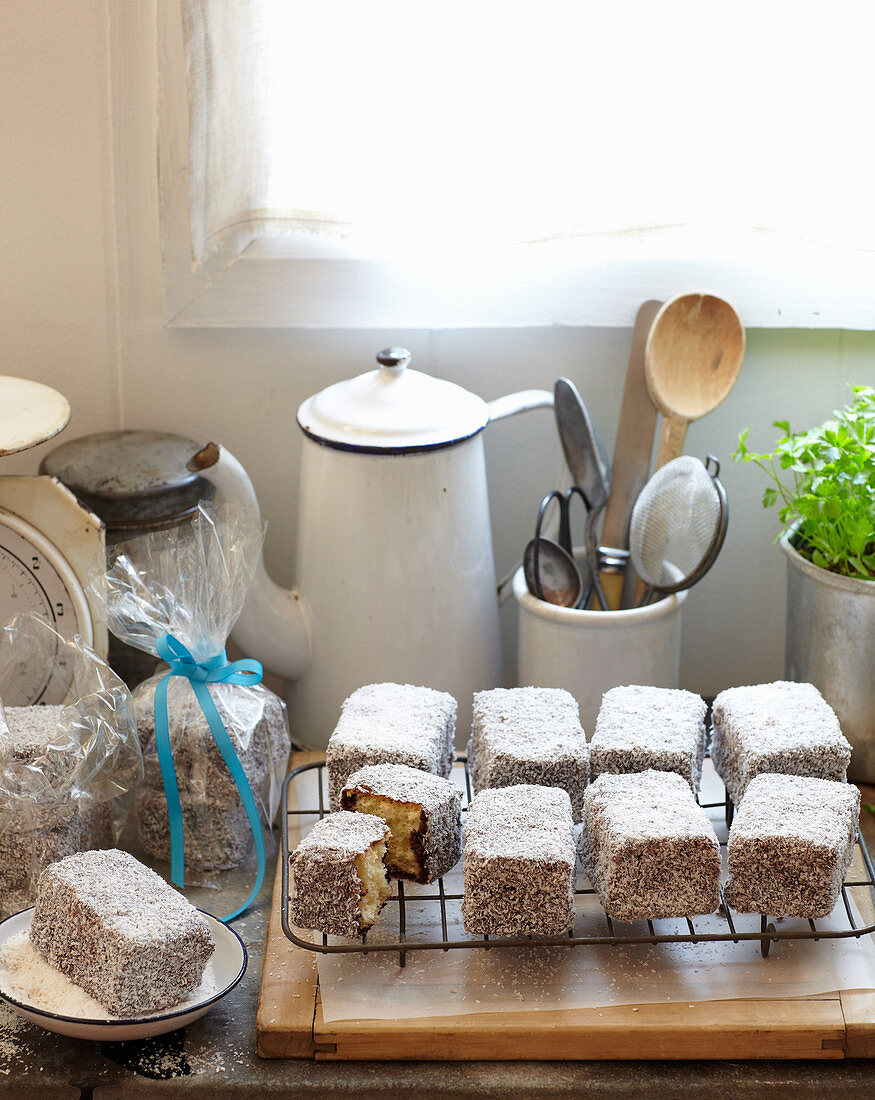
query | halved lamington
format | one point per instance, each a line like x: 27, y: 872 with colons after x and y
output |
x: 648, y: 847
x: 118, y: 931
x: 643, y: 728
x: 423, y: 812
x: 529, y: 735
x: 791, y: 843
x: 339, y: 883
x: 519, y: 862
x: 391, y: 724
x: 784, y: 727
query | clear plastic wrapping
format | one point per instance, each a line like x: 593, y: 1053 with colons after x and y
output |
x: 61, y: 766
x: 190, y: 582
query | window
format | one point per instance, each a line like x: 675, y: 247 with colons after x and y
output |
x: 412, y: 163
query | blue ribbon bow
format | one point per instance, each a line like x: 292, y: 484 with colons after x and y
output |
x: 214, y: 670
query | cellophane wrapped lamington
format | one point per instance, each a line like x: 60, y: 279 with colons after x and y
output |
x: 62, y: 765
x: 191, y: 583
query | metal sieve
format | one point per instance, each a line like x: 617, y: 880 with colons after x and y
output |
x: 679, y: 520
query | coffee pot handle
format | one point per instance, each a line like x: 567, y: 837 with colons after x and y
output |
x: 513, y: 403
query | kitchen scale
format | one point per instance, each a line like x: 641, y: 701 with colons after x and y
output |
x: 51, y: 546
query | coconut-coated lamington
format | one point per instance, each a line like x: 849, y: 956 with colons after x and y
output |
x: 217, y: 831
x: 118, y: 930
x: 642, y: 728
x: 648, y: 847
x: 529, y: 735
x: 423, y: 812
x: 519, y: 862
x: 391, y: 724
x: 50, y: 828
x: 782, y: 727
x: 791, y: 842
x: 339, y: 882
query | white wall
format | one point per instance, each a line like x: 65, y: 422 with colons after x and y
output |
x: 81, y: 309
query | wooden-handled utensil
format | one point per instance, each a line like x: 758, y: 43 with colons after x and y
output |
x: 632, y: 451
x: 691, y: 361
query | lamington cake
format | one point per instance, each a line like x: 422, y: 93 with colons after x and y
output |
x: 649, y: 728
x: 423, y: 812
x: 648, y: 847
x: 782, y: 727
x: 791, y: 842
x: 519, y: 862
x: 339, y: 883
x: 391, y: 724
x: 26, y: 852
x: 51, y: 820
x: 217, y: 831
x: 118, y: 931
x: 529, y: 735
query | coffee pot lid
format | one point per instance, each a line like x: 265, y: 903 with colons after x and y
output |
x: 392, y: 409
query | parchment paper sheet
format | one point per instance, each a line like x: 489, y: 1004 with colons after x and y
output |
x: 463, y: 982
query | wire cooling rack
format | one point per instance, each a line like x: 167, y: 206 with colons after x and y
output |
x: 408, y: 937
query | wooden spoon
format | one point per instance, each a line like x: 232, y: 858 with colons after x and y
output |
x: 692, y: 358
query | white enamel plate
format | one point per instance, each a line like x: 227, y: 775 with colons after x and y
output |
x: 228, y: 965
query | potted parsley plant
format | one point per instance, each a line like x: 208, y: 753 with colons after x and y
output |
x: 823, y: 481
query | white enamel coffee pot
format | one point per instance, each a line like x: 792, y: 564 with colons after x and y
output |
x: 394, y: 573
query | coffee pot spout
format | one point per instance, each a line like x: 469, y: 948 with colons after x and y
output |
x: 273, y: 625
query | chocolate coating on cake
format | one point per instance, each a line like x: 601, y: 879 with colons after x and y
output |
x: 391, y: 724
x: 784, y: 727
x: 432, y: 804
x: 327, y: 889
x: 519, y: 862
x: 641, y: 728
x: 118, y: 930
x: 529, y: 735
x: 790, y: 845
x: 648, y: 847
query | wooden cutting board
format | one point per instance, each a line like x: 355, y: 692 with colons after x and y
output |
x: 290, y: 1022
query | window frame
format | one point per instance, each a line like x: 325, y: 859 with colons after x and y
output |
x: 252, y: 280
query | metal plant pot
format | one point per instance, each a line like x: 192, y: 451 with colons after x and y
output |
x: 831, y: 644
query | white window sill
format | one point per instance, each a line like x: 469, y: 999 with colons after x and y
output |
x: 302, y: 281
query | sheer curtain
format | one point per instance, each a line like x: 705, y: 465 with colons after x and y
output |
x: 399, y: 126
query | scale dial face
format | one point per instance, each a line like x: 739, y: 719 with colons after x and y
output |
x: 34, y: 576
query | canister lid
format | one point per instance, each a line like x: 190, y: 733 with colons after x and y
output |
x: 131, y: 479
x: 392, y: 409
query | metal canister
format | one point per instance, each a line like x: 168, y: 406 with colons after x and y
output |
x: 137, y: 482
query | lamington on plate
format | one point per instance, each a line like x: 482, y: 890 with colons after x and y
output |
x: 791, y: 842
x: 784, y: 727
x: 649, y: 728
x: 120, y: 932
x: 338, y: 874
x: 648, y: 848
x: 529, y: 735
x: 519, y: 862
x: 391, y: 724
x: 423, y: 812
